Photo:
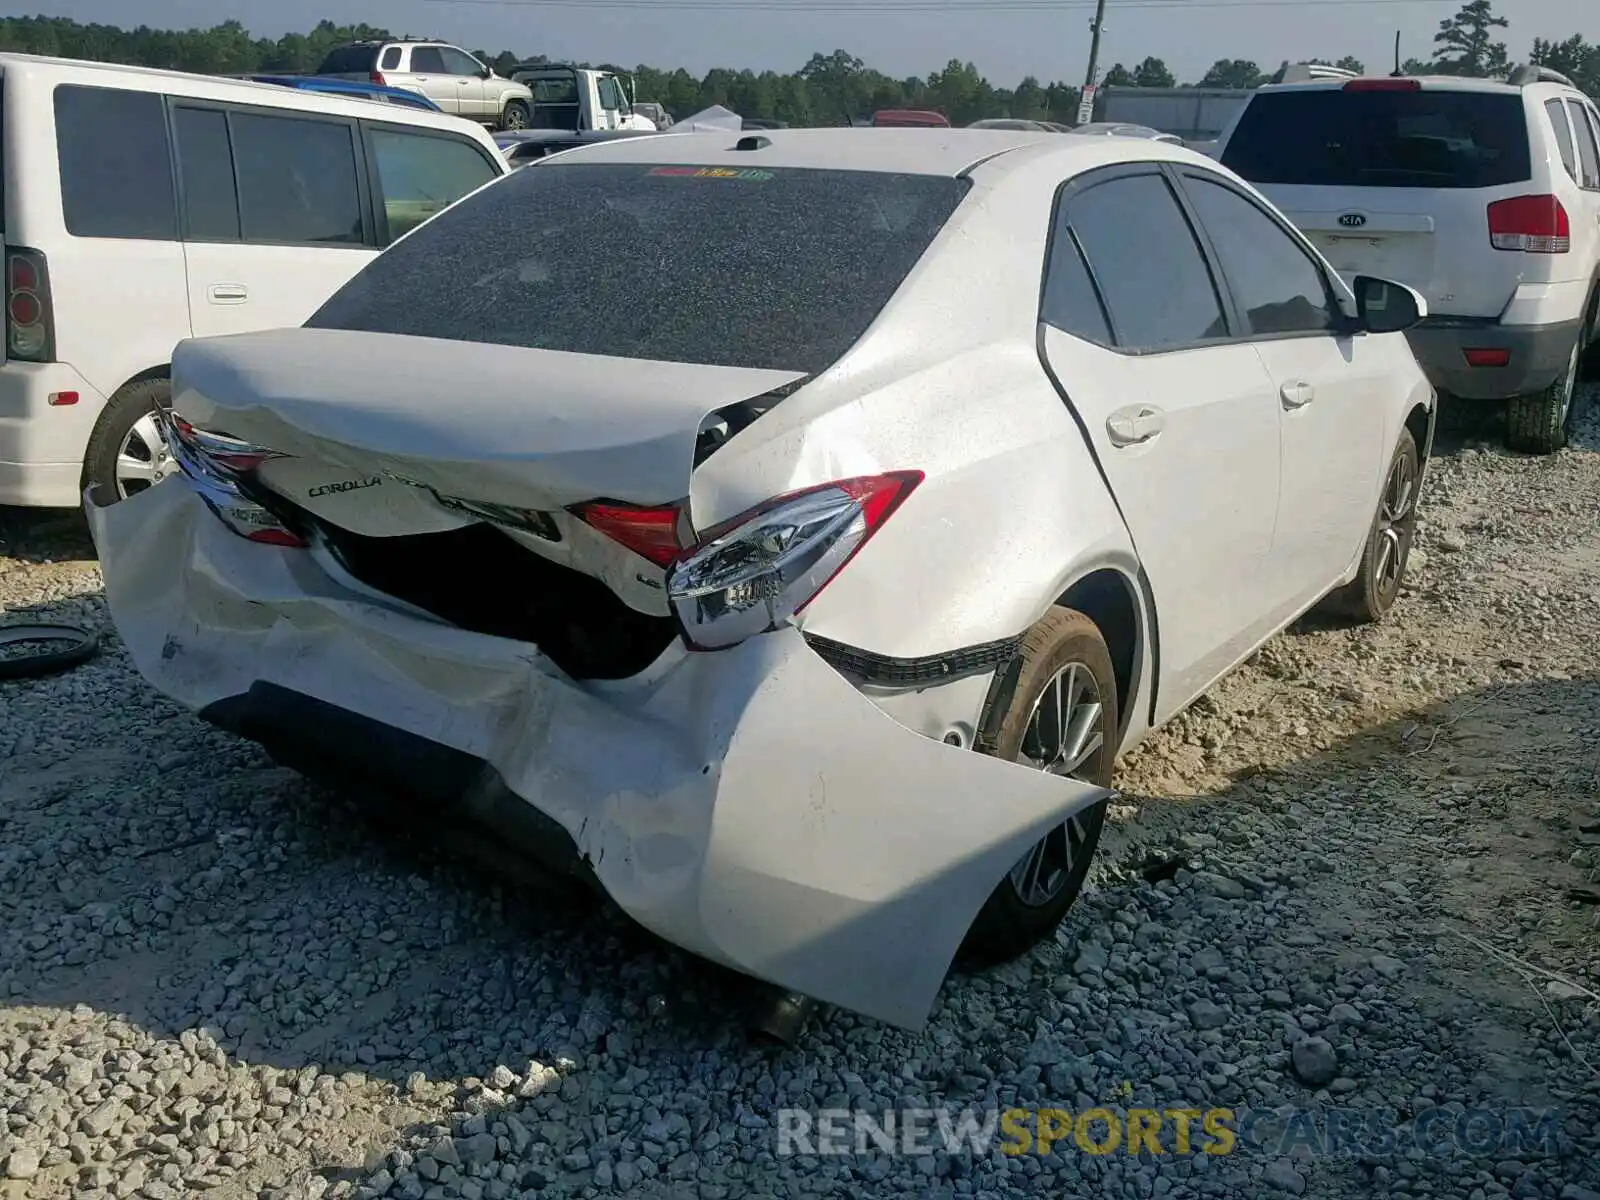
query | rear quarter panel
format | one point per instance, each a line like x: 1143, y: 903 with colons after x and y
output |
x: 947, y: 381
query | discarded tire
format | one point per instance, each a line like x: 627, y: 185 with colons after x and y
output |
x: 59, y: 648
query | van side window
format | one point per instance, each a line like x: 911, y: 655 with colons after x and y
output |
x: 420, y: 174
x: 297, y: 180
x: 1588, y: 151
x: 1556, y: 111
x: 116, y: 164
x: 205, y: 169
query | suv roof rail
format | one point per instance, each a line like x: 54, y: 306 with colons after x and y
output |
x: 1306, y: 72
x: 1531, y: 73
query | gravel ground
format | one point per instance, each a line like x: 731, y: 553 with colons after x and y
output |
x: 1344, y: 882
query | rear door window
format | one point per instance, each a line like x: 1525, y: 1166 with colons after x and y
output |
x: 297, y: 180
x: 391, y: 59
x: 205, y: 169
x: 1557, y: 113
x: 1588, y: 151
x: 744, y: 267
x: 427, y: 60
x: 1428, y: 138
x: 115, y: 164
x: 1158, y: 290
x: 421, y: 174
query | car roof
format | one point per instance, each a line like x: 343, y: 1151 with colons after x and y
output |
x: 1441, y: 83
x: 936, y: 151
x: 242, y: 91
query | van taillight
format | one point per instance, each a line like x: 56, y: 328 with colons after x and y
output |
x: 1531, y: 224
x: 29, y: 328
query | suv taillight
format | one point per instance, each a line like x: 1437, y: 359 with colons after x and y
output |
x: 1531, y: 224
x: 377, y: 78
x: 29, y: 325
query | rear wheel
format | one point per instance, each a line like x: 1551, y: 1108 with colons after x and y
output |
x: 516, y: 115
x: 1542, y: 423
x: 126, y: 452
x: 1062, y: 718
x: 1372, y: 593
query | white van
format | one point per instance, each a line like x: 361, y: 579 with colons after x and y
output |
x: 143, y: 207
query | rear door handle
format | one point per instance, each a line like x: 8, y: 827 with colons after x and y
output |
x: 1134, y: 426
x: 228, y: 293
x: 1297, y: 394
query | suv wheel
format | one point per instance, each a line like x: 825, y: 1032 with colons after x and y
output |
x: 516, y: 115
x: 1542, y: 422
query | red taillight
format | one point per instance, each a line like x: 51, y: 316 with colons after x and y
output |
x: 1531, y: 224
x: 651, y: 533
x: 1487, y: 357
x: 24, y: 308
x: 377, y: 78
x: 1387, y: 84
x: 28, y: 317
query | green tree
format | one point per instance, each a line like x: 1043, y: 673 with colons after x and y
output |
x: 1575, y: 58
x: 1117, y: 76
x: 1232, y: 73
x: 1153, y: 73
x: 1466, y: 42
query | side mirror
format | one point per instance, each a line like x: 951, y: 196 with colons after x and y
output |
x: 486, y: 73
x: 1383, y: 306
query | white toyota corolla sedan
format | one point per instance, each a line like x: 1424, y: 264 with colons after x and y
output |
x: 785, y: 532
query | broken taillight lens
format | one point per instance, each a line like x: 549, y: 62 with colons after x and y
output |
x: 650, y: 532
x: 751, y: 574
x: 214, y: 465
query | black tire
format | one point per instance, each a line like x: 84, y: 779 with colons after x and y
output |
x: 1372, y: 593
x: 1542, y: 422
x: 116, y: 422
x: 516, y: 115
x: 1010, y: 924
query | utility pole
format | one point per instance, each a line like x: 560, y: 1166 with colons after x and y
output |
x: 1086, y: 102
x: 1095, y: 27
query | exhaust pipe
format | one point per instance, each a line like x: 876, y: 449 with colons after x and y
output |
x: 779, y: 1017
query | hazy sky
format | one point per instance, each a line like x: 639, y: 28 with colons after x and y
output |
x: 1007, y: 39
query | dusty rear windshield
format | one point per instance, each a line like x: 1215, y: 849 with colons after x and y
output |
x: 1424, y: 138
x: 771, y: 268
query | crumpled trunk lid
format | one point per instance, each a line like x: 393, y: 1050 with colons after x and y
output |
x: 534, y: 429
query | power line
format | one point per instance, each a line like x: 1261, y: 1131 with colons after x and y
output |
x: 923, y: 6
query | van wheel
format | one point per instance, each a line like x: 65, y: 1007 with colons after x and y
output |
x: 1372, y: 593
x: 516, y: 115
x: 1542, y: 423
x: 126, y: 454
x: 1062, y: 718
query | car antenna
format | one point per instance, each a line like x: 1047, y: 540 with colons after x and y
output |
x: 1397, y: 70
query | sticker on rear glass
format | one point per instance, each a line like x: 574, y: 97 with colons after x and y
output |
x: 748, y: 173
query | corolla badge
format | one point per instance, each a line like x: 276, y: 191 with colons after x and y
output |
x: 1353, y: 220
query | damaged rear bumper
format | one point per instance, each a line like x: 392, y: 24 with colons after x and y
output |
x: 749, y: 805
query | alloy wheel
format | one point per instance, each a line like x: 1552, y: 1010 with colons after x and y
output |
x: 1063, y: 737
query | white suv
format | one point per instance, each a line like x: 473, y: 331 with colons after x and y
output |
x: 143, y: 207
x: 1483, y: 195
x: 453, y: 79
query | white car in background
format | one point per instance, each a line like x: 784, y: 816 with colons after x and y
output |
x: 809, y: 617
